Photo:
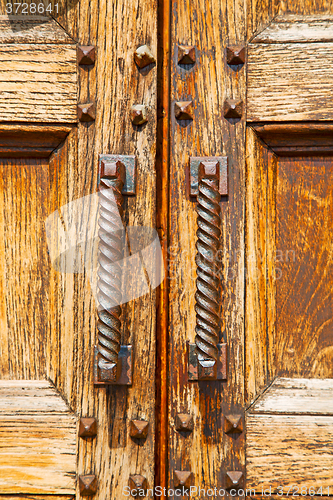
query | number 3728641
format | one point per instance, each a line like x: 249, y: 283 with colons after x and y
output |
x: 31, y: 8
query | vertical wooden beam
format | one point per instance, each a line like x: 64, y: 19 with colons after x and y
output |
x: 210, y: 27
x: 162, y: 221
x: 114, y: 84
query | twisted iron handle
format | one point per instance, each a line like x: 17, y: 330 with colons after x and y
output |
x: 109, y: 272
x: 207, y: 293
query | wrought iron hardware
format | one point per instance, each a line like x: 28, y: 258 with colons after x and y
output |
x: 207, y: 358
x: 112, y: 362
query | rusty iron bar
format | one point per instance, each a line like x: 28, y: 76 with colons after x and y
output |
x: 208, y: 239
x: 109, y: 271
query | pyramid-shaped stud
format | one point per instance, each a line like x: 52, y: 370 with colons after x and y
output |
x: 233, y: 423
x: 137, y: 482
x: 236, y: 55
x: 143, y: 56
x: 184, y: 110
x: 86, y: 112
x: 184, y: 422
x: 186, y: 54
x: 138, y: 429
x: 233, y: 108
x: 87, y: 427
x: 139, y: 114
x: 234, y: 478
x: 183, y: 478
x: 88, y: 485
x: 86, y: 55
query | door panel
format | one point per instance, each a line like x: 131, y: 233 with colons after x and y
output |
x: 289, y: 442
x: 288, y: 260
x: 304, y: 301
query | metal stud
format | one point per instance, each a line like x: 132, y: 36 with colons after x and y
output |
x: 236, y: 55
x: 139, y: 429
x: 184, y: 110
x: 86, y: 55
x: 233, y: 108
x: 184, y: 422
x: 183, y: 478
x: 143, y: 56
x: 86, y: 112
x: 186, y: 54
x: 139, y: 114
x: 233, y: 423
x: 137, y: 482
x: 88, y: 427
x: 234, y: 478
x: 88, y: 485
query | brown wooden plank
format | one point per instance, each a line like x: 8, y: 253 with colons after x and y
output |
x: 25, y: 267
x: 207, y: 452
x: 30, y: 28
x: 257, y: 243
x: 38, y: 436
x: 36, y: 497
x: 296, y: 396
x: 36, y: 88
x: 294, y: 67
x: 114, y: 84
x: 304, y: 289
x: 297, y: 28
x: 288, y: 450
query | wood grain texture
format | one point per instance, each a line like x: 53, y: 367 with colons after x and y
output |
x: 287, y: 312
x: 262, y: 13
x: 38, y: 436
x: 259, y: 263
x: 291, y: 28
x: 24, y: 496
x: 207, y: 452
x: 31, y: 29
x: 284, y: 83
x: 24, y: 276
x: 31, y: 141
x: 304, y: 300
x: 36, y: 87
x: 284, y: 450
x: 297, y: 138
x: 296, y: 396
x: 114, y: 83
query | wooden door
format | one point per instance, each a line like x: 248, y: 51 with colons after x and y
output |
x: 210, y: 123
x: 62, y: 106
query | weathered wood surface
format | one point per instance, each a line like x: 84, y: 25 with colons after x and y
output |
x: 284, y: 83
x: 261, y: 13
x: 304, y: 299
x: 296, y: 396
x: 31, y: 141
x: 297, y: 138
x: 24, y: 268
x: 261, y: 168
x: 291, y: 28
x: 38, y: 82
x: 38, y: 435
x: 23, y: 496
x: 34, y: 29
x: 207, y: 451
x: 114, y: 83
x: 288, y: 291
x: 286, y: 450
x: 289, y: 432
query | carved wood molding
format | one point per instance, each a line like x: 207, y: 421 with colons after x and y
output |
x: 31, y: 141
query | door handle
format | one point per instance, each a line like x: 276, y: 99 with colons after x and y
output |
x: 113, y: 362
x: 207, y: 357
